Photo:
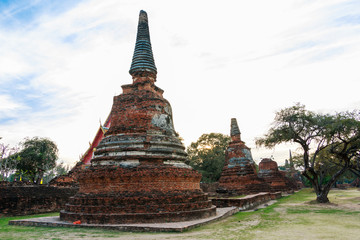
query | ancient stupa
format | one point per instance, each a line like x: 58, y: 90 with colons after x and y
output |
x: 138, y: 174
x: 268, y: 170
x: 239, y: 174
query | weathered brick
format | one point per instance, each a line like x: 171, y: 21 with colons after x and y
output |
x: 33, y: 199
x: 138, y: 172
x: 239, y: 174
x: 268, y: 170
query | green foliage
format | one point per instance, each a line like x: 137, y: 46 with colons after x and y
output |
x: 325, y: 168
x: 330, y: 143
x: 347, y: 177
x: 306, y: 182
x: 207, y: 155
x: 294, y: 124
x: 37, y: 156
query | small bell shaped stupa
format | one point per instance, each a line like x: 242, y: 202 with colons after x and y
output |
x: 239, y: 173
x: 138, y: 174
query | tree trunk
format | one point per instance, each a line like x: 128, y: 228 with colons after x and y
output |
x: 322, y: 197
x: 322, y: 193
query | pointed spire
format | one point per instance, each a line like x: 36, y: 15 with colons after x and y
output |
x: 235, y: 131
x: 143, y: 60
x: 291, y: 160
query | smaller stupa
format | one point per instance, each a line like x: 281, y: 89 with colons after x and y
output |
x: 268, y: 170
x: 239, y: 174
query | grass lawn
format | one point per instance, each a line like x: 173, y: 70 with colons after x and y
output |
x: 292, y: 217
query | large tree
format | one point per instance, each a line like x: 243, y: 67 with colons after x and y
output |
x: 336, y: 137
x: 207, y: 155
x: 37, y: 156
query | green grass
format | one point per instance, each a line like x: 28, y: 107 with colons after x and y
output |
x: 323, y: 211
x: 24, y: 232
x: 4, y: 227
x: 291, y: 217
x: 283, y: 214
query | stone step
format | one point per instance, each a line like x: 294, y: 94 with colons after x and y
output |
x: 114, y: 218
x: 135, y: 208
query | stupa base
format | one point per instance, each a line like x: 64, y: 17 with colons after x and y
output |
x: 240, y: 185
x: 142, y: 194
x: 114, y: 218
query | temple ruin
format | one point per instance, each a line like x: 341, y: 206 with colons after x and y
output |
x: 239, y: 175
x: 138, y: 174
x: 268, y: 170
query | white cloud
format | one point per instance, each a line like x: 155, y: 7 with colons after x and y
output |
x: 8, y: 105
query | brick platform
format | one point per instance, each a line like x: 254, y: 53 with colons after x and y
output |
x: 247, y: 202
x: 141, y: 227
x: 225, y: 207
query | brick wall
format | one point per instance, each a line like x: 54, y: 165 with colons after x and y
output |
x: 24, y: 200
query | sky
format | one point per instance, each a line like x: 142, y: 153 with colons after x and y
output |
x: 62, y: 62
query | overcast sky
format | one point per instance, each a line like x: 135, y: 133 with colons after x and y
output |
x: 61, y: 63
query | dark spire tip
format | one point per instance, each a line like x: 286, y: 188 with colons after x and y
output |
x: 143, y: 16
x: 143, y: 60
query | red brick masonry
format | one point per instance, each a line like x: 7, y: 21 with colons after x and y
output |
x: 33, y: 199
x: 147, y: 193
x: 138, y: 174
x: 268, y: 170
x: 239, y: 174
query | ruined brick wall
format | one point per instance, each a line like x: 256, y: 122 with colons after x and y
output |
x: 268, y: 170
x: 24, y: 200
x: 70, y: 179
x: 210, y: 188
x: 14, y: 184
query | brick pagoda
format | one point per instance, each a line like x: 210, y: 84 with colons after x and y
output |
x: 239, y: 173
x: 138, y: 174
x: 268, y: 170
